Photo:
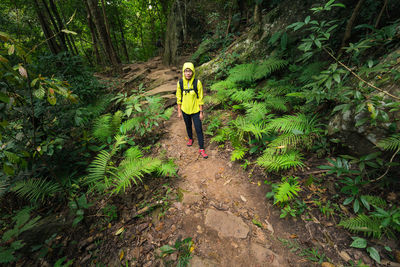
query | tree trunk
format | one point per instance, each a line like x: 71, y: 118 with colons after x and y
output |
x: 68, y: 38
x: 93, y: 35
x: 349, y: 26
x: 105, y: 18
x: 57, y: 28
x: 171, y: 39
x: 182, y: 16
x: 48, y: 33
x: 380, y: 14
x: 102, y: 32
x: 121, y: 29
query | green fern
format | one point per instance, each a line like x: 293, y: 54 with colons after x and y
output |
x: 276, y: 162
x: 99, y: 169
x: 269, y: 66
x: 370, y: 226
x: 130, y: 124
x: 390, y: 143
x: 223, y: 85
x: 286, y: 191
x: 256, y: 111
x: 375, y: 201
x: 238, y: 153
x: 241, y: 96
x: 102, y: 128
x: 36, y: 189
x: 297, y: 124
x: 276, y: 103
x: 167, y: 169
x: 243, y: 73
x: 289, y: 141
x: 116, y: 121
x: 12, y: 157
x: 222, y: 135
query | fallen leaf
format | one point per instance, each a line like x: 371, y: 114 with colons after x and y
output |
x: 243, y: 198
x: 159, y: 226
x: 109, y: 225
x: 344, y: 256
x: 327, y: 264
x: 22, y: 71
x: 268, y: 226
x: 259, y: 183
x: 293, y: 236
x: 227, y: 182
x: 119, y: 231
x: 192, y: 248
x: 121, y: 255
x: 146, y: 187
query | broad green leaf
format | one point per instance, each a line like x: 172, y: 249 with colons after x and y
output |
x: 365, y: 202
x: 356, y: 206
x: 374, y: 254
x: 348, y: 200
x: 307, y: 20
x: 359, y: 242
x: 4, y: 98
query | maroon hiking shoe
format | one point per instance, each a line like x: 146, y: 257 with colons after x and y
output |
x: 190, y: 142
x: 203, y: 153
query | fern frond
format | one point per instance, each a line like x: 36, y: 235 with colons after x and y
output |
x: 276, y: 103
x: 277, y: 162
x: 98, y: 168
x: 167, y: 169
x: 241, y: 96
x: 256, y: 111
x: 12, y: 157
x: 133, y: 153
x: 222, y: 135
x: 116, y: 120
x: 36, y: 189
x: 288, y: 141
x: 274, y: 88
x: 298, y: 123
x: 390, y: 143
x: 286, y: 191
x: 223, y: 85
x: 102, y: 128
x: 238, y: 153
x: 130, y: 124
x: 243, y: 73
x: 376, y: 201
x: 362, y: 223
x: 269, y: 66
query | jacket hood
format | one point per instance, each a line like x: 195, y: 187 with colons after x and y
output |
x: 188, y: 65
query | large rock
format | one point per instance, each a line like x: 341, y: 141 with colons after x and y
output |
x: 226, y: 224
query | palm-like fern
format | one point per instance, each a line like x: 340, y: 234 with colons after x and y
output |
x: 368, y: 225
x: 102, y: 128
x: 273, y: 162
x: 36, y: 189
x: 299, y: 123
x: 275, y: 102
x: 390, y: 143
x: 241, y: 96
x: 256, y: 111
x: 286, y: 190
x: 269, y: 66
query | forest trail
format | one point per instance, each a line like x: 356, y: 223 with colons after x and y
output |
x: 219, y: 206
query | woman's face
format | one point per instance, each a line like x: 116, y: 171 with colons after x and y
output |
x: 188, y: 74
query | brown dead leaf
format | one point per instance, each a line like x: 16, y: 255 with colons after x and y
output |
x: 327, y: 264
x: 293, y: 236
x: 397, y: 255
x: 159, y: 226
x: 22, y: 71
x: 344, y: 256
x: 121, y: 255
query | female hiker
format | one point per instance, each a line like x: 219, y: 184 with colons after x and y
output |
x: 189, y: 96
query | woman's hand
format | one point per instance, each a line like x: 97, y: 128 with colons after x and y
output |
x: 179, y: 113
x: 201, y: 115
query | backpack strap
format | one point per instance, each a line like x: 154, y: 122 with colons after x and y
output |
x: 194, y: 88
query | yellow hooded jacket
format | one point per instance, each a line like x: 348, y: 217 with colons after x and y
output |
x: 190, y: 104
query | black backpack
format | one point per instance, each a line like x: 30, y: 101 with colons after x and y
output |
x: 188, y: 90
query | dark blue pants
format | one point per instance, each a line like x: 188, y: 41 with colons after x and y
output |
x: 197, y: 126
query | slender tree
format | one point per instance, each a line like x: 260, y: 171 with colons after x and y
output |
x: 104, y: 37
